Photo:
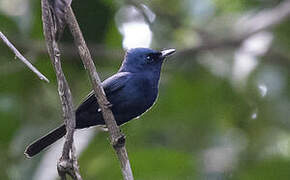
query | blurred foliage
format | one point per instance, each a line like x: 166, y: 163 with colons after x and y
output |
x: 205, y: 125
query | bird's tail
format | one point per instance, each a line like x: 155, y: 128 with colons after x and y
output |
x: 38, y: 145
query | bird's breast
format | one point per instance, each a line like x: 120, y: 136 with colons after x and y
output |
x: 143, y: 93
x: 137, y: 97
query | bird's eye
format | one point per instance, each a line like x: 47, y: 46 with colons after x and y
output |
x: 152, y: 57
x: 149, y: 58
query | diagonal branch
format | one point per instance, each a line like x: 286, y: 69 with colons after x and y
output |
x: 116, y: 137
x: 264, y: 19
x: 245, y: 28
x: 22, y: 58
x: 67, y: 163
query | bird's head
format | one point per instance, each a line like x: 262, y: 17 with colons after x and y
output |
x: 144, y: 59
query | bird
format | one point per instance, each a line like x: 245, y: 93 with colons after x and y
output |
x: 131, y: 92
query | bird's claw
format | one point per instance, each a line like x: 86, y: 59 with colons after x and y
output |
x: 119, y: 142
x: 108, y: 105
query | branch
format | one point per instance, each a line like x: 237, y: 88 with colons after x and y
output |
x: 67, y: 164
x: 265, y: 19
x: 46, y: 167
x: 22, y: 58
x: 214, y: 45
x: 261, y: 21
x: 116, y: 137
x: 69, y: 51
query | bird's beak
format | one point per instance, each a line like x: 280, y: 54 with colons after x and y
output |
x: 167, y: 52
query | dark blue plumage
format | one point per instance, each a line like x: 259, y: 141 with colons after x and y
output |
x: 131, y: 91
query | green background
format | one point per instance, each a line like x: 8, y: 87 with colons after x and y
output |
x: 205, y: 124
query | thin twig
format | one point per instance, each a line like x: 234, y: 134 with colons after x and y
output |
x: 116, y: 137
x: 67, y: 163
x: 22, y: 58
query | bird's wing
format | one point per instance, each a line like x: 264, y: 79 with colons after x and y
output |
x: 116, y: 82
x: 110, y: 85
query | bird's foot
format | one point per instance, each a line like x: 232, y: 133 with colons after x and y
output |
x: 119, y: 141
x: 108, y: 105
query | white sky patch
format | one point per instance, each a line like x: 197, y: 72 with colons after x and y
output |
x: 244, y: 64
x: 133, y: 26
x: 258, y: 44
x: 246, y: 57
x: 263, y: 89
x: 136, y: 34
x: 254, y: 115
